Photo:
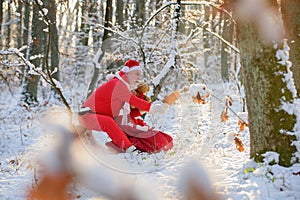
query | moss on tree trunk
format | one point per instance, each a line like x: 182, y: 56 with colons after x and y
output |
x: 265, y: 90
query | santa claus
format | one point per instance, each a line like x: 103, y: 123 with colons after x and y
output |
x: 108, y: 110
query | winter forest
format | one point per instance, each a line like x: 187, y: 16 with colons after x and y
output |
x: 235, y: 126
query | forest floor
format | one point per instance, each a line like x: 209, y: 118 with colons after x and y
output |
x: 199, y: 137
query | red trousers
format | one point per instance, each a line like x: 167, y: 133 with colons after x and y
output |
x: 151, y: 141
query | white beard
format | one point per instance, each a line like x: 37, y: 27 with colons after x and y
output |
x: 133, y: 86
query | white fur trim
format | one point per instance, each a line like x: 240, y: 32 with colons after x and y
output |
x: 109, y: 76
x: 122, y: 80
x: 127, y: 69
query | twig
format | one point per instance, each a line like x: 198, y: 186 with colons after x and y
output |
x: 21, y: 134
x: 50, y: 81
x: 230, y: 109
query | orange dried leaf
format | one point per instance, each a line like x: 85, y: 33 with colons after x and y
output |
x: 228, y: 101
x: 239, y: 144
x: 224, y: 116
x: 198, y: 99
x: 242, y: 125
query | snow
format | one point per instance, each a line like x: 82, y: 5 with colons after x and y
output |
x: 204, y: 154
x: 164, y: 71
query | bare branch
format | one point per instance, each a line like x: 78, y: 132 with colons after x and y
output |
x: 39, y: 72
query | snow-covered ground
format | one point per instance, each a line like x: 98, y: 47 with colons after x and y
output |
x: 201, y: 141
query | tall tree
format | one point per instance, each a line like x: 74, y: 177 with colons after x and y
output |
x: 53, y: 39
x: 20, y: 24
x: 120, y: 14
x: 1, y: 14
x: 291, y: 19
x: 206, y: 36
x: 26, y: 27
x: 85, y: 25
x: 37, y: 48
x: 100, y: 54
x: 265, y: 83
x: 227, y: 34
x: 140, y: 13
x: 8, y: 30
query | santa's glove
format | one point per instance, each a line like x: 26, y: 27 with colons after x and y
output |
x: 159, y: 108
x: 130, y: 149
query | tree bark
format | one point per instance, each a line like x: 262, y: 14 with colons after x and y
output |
x: 206, y: 36
x: 291, y: 19
x: 140, y: 13
x: 266, y: 90
x: 120, y: 14
x: 1, y: 15
x: 8, y: 31
x: 85, y: 26
x: 37, y: 47
x: 26, y: 28
x: 20, y: 24
x: 227, y: 35
x: 53, y: 40
x: 106, y: 35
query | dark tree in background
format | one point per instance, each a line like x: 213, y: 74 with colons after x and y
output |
x: 140, y: 13
x: 1, y: 14
x: 53, y: 37
x: 227, y: 34
x: 27, y: 11
x: 206, y: 36
x: 106, y: 35
x: 120, y: 14
x: 37, y: 47
x: 8, y: 30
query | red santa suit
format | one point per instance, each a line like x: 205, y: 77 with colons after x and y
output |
x: 110, y: 112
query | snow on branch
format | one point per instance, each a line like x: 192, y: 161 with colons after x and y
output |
x: 223, y: 40
x: 38, y: 71
x: 117, y: 33
x: 206, y: 3
x: 164, y: 71
x: 157, y: 12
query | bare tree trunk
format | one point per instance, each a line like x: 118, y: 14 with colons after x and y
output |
x: 291, y: 19
x: 26, y: 27
x: 1, y: 15
x: 106, y: 35
x: 8, y: 31
x: 53, y: 40
x: 140, y: 13
x: 20, y: 24
x: 120, y: 14
x: 266, y: 89
x: 206, y: 36
x: 85, y: 26
x: 37, y: 47
x: 227, y: 35
x: 94, y: 17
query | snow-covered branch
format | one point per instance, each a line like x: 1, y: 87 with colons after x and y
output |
x: 117, y: 33
x: 38, y: 71
x: 223, y: 40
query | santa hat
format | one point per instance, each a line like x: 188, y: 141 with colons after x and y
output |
x: 131, y: 65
